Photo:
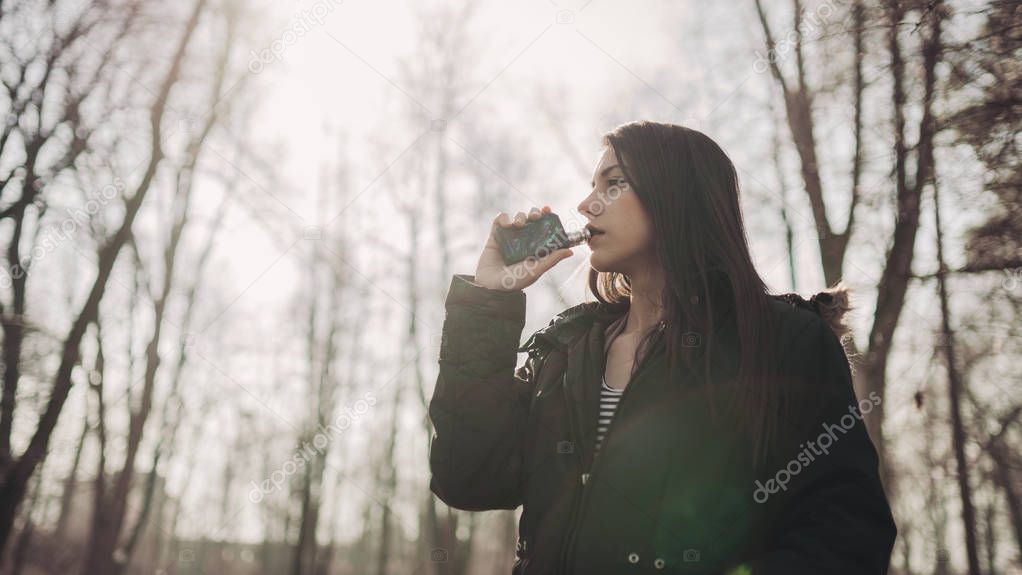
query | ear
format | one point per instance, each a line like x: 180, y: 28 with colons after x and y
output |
x: 833, y: 305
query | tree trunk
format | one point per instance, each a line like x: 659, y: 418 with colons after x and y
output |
x: 102, y: 556
x: 12, y: 489
x: 70, y: 484
x: 955, y: 391
x: 1009, y: 486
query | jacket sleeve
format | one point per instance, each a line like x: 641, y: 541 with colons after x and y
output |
x: 832, y: 515
x: 480, y: 403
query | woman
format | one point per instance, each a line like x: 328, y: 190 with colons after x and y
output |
x: 687, y: 421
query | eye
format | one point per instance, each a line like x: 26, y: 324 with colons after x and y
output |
x: 617, y: 181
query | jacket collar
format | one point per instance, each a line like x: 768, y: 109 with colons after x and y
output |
x: 569, y: 325
x: 566, y: 327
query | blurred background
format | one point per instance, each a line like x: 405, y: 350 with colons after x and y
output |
x: 227, y: 229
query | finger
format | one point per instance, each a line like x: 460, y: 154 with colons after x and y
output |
x: 519, y: 219
x: 502, y: 220
x: 535, y: 214
x: 548, y: 261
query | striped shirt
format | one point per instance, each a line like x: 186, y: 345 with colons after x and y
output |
x: 609, y: 398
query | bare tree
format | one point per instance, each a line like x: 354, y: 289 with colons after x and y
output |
x: 26, y: 136
x: 325, y: 296
x: 171, y: 414
x: 109, y: 520
x: 1006, y: 474
x: 956, y: 386
x: 897, y: 271
x: 18, y: 473
x: 71, y: 482
x: 798, y: 102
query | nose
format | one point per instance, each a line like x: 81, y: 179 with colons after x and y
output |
x: 583, y: 207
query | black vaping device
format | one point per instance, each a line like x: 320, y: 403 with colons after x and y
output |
x: 537, y: 238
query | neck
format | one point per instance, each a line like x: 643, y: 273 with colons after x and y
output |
x: 646, y: 307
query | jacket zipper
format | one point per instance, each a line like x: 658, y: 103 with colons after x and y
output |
x: 577, y: 495
x: 588, y: 473
x: 526, y: 554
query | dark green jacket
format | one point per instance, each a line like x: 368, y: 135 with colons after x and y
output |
x: 673, y: 489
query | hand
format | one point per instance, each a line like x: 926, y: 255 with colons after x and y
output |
x: 491, y: 271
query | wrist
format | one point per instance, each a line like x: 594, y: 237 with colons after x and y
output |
x: 491, y: 284
x: 464, y: 290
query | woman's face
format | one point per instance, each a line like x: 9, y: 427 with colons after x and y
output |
x: 622, y: 232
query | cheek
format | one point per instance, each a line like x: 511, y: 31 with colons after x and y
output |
x: 632, y: 238
x: 643, y: 231
x: 635, y: 247
x: 638, y: 227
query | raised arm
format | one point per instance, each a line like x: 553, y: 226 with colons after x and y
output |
x: 480, y: 403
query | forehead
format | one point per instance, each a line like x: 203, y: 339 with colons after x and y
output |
x: 607, y: 158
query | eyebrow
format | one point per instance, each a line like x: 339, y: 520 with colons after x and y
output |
x: 604, y: 173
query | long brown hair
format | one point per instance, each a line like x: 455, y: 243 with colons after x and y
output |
x: 689, y: 188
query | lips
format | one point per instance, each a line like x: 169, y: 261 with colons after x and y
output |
x: 593, y: 230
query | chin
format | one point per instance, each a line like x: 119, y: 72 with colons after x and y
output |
x: 601, y: 263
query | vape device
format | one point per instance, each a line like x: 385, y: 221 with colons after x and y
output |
x: 537, y: 238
